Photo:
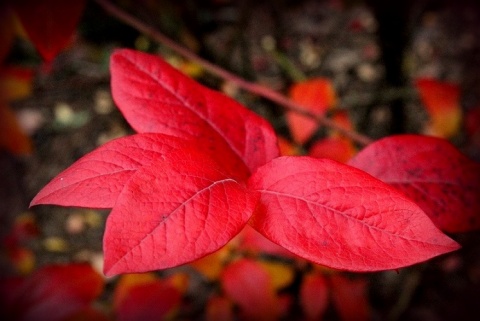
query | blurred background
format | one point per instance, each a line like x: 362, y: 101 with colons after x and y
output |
x: 377, y: 67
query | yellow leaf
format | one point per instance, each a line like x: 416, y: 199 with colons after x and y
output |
x: 281, y: 274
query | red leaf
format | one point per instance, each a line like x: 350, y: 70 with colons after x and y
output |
x: 341, y: 217
x: 350, y: 298
x: 52, y: 293
x: 432, y: 172
x: 442, y: 102
x: 316, y: 95
x: 97, y: 179
x: 254, y: 242
x: 314, y: 296
x: 155, y: 97
x: 152, y: 301
x: 50, y: 24
x: 249, y: 285
x: 126, y: 282
x: 172, y: 212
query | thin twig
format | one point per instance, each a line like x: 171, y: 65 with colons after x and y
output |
x: 254, y: 88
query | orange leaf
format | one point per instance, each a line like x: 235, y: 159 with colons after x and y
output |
x: 22, y: 259
x: 211, y: 265
x: 127, y: 282
x: 12, y: 137
x: 287, y: 148
x: 343, y: 119
x: 442, y: 102
x: 317, y: 96
x: 350, y: 298
x: 179, y: 281
x: 15, y: 82
x: 336, y: 148
x: 314, y: 296
x: 219, y: 309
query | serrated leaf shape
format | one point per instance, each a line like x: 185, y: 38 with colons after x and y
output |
x: 433, y: 173
x: 172, y: 212
x: 155, y: 97
x: 338, y: 216
x: 96, y: 179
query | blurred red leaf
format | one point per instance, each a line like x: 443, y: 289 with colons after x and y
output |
x: 89, y: 314
x: 127, y: 282
x: 219, y: 309
x: 155, y: 97
x: 337, y: 148
x: 151, y: 301
x: 7, y: 31
x: 314, y: 296
x: 250, y: 286
x: 15, y: 82
x: 442, y: 102
x: 287, y: 148
x: 472, y: 127
x: 341, y: 217
x: 350, y: 298
x: 317, y: 95
x: 50, y: 24
x: 52, y: 293
x: 430, y: 171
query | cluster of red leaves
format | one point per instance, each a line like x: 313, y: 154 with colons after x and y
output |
x: 203, y: 166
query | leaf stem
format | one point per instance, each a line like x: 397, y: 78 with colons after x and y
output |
x: 254, y: 88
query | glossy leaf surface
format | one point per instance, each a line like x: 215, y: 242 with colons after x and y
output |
x: 155, y: 97
x: 172, y: 212
x: 341, y: 217
x: 433, y: 173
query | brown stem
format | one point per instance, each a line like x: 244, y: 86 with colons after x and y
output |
x: 257, y: 89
